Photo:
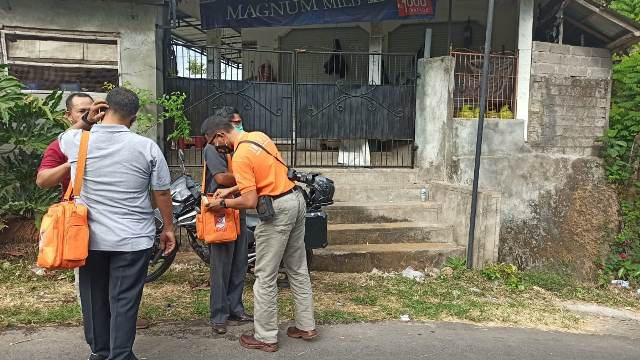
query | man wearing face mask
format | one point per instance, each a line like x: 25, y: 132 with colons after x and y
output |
x: 121, y: 166
x: 260, y: 173
x: 228, y: 261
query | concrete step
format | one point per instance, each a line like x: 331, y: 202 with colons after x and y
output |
x: 367, y: 213
x: 377, y: 193
x: 389, y: 233
x: 387, y: 257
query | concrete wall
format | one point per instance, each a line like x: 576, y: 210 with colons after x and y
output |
x: 435, y: 159
x: 569, y: 98
x: 553, y: 206
x: 133, y: 22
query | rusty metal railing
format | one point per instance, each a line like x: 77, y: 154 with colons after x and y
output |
x: 501, y: 90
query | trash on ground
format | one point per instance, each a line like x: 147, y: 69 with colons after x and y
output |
x: 621, y: 283
x: 412, y: 274
x: 432, y: 272
x: 405, y: 318
x: 39, y: 271
x: 446, y: 271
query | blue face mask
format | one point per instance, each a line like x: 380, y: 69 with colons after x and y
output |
x: 239, y: 127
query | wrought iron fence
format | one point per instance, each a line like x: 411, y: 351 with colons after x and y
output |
x: 355, y: 109
x: 323, y: 109
x: 501, y: 88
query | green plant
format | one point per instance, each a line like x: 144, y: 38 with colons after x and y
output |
x: 624, y: 119
x: 196, y: 67
x: 628, y: 8
x: 10, y: 93
x: 622, y: 157
x: 507, y: 272
x: 27, y: 125
x: 173, y: 110
x: 146, y: 118
x: 456, y: 263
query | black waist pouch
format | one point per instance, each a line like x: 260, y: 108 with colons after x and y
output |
x: 265, y: 208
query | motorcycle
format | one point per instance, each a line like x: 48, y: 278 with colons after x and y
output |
x: 185, y: 196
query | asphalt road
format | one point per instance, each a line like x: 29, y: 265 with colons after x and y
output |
x: 391, y: 340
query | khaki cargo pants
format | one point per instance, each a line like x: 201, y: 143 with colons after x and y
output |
x: 282, y: 238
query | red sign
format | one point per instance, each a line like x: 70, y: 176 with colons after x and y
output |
x: 415, y: 7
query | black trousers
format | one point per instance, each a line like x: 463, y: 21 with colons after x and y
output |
x: 111, y: 285
x: 228, y: 264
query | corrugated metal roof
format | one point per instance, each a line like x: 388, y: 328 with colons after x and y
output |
x: 613, y: 30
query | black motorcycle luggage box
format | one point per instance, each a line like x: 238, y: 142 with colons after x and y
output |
x: 315, y: 235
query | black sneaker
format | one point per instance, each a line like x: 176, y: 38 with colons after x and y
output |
x: 93, y: 356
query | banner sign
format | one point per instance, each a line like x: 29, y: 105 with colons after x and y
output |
x: 268, y: 13
x: 414, y: 7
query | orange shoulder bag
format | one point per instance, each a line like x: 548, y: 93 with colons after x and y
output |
x: 215, y: 228
x: 64, y: 231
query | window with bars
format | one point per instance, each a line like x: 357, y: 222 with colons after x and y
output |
x: 50, y: 61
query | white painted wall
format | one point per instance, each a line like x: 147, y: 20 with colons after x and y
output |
x: 525, y: 43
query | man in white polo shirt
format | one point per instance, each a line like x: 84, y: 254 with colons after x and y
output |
x: 121, y: 167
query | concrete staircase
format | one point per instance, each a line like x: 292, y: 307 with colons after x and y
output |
x: 379, y: 221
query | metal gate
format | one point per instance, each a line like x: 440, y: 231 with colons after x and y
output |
x: 322, y: 109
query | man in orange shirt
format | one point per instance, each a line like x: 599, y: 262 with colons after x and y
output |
x: 260, y: 172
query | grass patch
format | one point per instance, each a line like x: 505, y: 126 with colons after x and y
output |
x: 182, y: 294
x: 334, y: 316
x: 58, y: 314
x: 366, y: 299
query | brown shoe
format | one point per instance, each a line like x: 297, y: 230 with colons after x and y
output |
x: 250, y: 342
x: 294, y: 332
x: 142, y: 324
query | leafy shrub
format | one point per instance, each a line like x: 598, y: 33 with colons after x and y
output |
x: 145, y: 119
x: 621, y: 156
x: 173, y: 110
x: 456, y: 263
x: 506, y: 272
x: 27, y: 126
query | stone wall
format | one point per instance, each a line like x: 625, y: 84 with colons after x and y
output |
x: 555, y: 206
x: 569, y: 99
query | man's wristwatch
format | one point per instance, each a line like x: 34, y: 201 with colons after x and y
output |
x: 223, y: 204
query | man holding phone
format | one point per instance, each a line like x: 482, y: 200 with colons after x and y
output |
x: 261, y: 177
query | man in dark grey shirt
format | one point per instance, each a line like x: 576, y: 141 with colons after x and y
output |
x: 228, y: 261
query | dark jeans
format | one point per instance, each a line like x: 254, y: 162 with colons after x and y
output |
x: 228, y: 264
x: 111, y: 285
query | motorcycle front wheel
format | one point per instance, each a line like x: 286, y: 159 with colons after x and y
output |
x: 199, y: 247
x: 158, y: 262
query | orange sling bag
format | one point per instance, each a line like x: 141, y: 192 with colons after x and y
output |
x: 215, y: 228
x: 64, y: 232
